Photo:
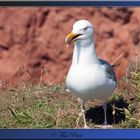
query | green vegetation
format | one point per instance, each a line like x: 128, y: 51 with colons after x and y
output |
x: 50, y: 106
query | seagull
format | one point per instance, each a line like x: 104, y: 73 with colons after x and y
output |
x: 89, y: 77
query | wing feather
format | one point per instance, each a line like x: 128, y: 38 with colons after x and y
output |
x: 109, y: 69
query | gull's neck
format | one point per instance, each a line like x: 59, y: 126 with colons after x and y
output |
x: 84, y: 53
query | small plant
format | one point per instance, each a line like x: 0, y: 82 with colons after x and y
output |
x: 131, y: 121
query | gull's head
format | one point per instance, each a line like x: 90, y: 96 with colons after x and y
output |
x: 82, y: 30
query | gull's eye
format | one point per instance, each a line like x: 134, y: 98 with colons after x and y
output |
x: 85, y: 29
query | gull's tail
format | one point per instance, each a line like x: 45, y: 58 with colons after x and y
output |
x: 115, y: 62
x: 115, y: 65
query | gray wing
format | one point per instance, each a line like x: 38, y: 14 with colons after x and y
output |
x: 109, y: 69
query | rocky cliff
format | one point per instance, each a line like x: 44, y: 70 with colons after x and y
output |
x: 32, y: 43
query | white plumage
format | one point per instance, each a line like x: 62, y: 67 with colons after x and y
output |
x: 88, y: 77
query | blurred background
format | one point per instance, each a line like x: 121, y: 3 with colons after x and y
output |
x: 32, y: 40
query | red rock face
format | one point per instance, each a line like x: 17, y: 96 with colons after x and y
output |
x: 32, y: 43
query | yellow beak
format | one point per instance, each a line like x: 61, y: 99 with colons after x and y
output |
x: 71, y: 37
